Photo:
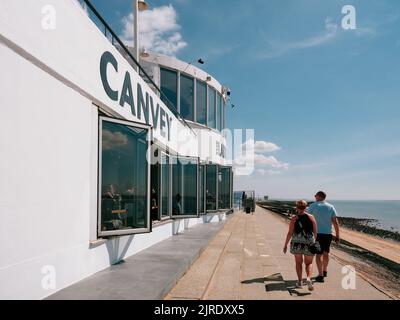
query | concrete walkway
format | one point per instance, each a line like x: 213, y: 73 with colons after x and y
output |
x: 149, y: 274
x: 245, y: 261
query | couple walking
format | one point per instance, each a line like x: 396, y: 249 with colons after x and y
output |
x: 310, y: 233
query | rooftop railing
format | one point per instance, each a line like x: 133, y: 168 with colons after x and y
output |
x: 121, y: 47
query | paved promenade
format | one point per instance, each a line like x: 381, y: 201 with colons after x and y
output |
x: 245, y: 261
x: 147, y: 275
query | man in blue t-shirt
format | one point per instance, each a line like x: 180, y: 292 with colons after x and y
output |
x: 326, y: 215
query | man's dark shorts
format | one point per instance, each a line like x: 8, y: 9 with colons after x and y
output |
x: 324, y: 241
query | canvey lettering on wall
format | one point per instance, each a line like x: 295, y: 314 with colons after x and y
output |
x: 144, y: 106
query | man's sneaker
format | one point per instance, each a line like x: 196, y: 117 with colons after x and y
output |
x: 299, y: 285
x: 320, y: 279
x: 325, y: 274
x: 310, y: 285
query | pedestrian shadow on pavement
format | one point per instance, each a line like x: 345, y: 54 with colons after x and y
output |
x: 275, y: 278
x: 294, y: 291
x: 275, y: 282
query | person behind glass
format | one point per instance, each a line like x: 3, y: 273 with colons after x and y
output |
x: 178, y: 204
x: 243, y: 199
x: 154, y: 205
x: 302, y: 232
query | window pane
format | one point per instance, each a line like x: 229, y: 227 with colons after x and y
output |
x: 165, y: 199
x: 177, y: 208
x: 201, y: 188
x: 219, y: 112
x: 224, y: 188
x: 169, y: 86
x: 187, y: 98
x: 189, y: 186
x: 155, y: 192
x: 184, y: 187
x: 211, y: 108
x: 124, y: 177
x: 211, y: 191
x: 201, y: 103
x: 223, y: 114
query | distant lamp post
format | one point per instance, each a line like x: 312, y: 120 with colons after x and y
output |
x: 138, y: 5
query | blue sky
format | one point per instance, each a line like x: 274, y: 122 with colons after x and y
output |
x: 328, y: 97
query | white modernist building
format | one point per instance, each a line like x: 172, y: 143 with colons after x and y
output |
x: 98, y: 161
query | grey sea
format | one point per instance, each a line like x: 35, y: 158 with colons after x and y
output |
x: 386, y: 213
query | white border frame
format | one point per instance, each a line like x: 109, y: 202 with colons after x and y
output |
x: 101, y: 233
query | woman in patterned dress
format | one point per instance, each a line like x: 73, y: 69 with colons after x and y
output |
x: 302, y: 233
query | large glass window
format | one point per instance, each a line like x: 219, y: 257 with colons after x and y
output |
x: 202, y: 189
x: 123, y: 189
x: 165, y: 186
x: 184, y: 187
x: 211, y: 187
x: 169, y: 86
x: 187, y: 98
x: 211, y: 108
x: 219, y: 112
x: 224, y: 188
x: 201, y: 102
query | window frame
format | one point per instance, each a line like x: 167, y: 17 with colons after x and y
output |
x: 216, y: 188
x: 177, y: 83
x: 199, y: 83
x: 230, y: 186
x: 193, y: 80
x: 186, y: 216
x: 160, y: 216
x: 210, y: 90
x: 204, y: 179
x: 133, y: 124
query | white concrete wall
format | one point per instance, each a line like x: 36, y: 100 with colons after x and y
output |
x: 48, y: 143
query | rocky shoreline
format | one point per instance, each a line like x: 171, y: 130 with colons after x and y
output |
x: 367, y: 226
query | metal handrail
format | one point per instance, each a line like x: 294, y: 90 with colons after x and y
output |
x: 107, y: 28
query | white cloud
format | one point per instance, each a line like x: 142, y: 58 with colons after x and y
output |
x: 262, y: 160
x: 158, y: 30
x: 252, y: 161
x: 265, y: 172
x: 278, y: 49
x: 365, y: 31
x: 260, y: 146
